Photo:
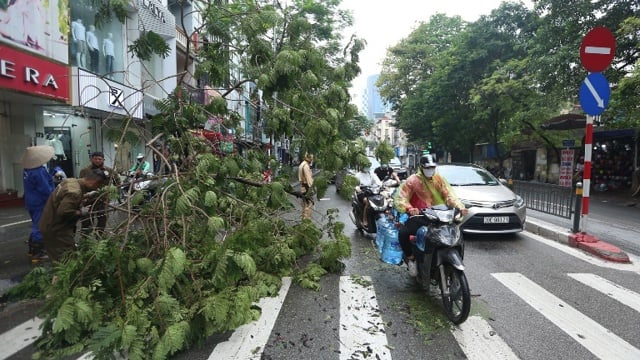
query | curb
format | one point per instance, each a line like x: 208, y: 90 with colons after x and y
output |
x: 595, y: 246
x: 583, y: 241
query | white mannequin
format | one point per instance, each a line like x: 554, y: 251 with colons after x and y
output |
x: 55, y: 142
x: 79, y: 36
x: 93, y: 47
x: 108, y: 49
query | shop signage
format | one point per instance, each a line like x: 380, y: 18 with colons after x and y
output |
x: 116, y: 97
x: 31, y: 74
x: 155, y: 9
x: 153, y: 16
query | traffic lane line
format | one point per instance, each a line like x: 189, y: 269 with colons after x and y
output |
x: 362, y: 331
x: 621, y: 294
x: 249, y: 340
x: 588, y: 333
x: 19, y: 337
x: 479, y: 341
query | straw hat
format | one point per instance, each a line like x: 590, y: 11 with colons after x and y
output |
x: 35, y: 156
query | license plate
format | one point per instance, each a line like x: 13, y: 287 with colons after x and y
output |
x: 496, y: 220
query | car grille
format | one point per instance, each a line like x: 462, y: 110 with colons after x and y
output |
x: 476, y: 224
x: 491, y: 204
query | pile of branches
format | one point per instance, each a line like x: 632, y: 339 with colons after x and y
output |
x: 188, y: 262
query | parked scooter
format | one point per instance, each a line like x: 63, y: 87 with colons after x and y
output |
x: 443, y: 265
x: 378, y: 205
x: 380, y: 202
x: 136, y: 183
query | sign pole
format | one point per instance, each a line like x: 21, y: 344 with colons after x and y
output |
x: 586, y: 177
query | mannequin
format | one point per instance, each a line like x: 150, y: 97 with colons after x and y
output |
x: 94, y: 50
x: 108, y: 49
x: 79, y: 37
x: 54, y: 141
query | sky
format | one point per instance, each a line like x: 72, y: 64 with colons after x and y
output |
x: 384, y: 23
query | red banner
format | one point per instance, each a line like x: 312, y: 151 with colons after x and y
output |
x: 31, y: 74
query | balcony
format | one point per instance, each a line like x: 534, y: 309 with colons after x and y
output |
x: 181, y: 41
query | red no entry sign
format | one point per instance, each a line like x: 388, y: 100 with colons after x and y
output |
x: 597, y: 49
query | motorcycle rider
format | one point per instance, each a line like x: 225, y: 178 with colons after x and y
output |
x: 385, y: 171
x: 140, y: 168
x: 366, y: 178
x: 422, y: 190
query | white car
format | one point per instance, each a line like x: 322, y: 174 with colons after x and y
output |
x: 493, y: 207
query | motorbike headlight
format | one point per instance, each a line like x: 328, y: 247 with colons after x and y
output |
x: 519, y: 201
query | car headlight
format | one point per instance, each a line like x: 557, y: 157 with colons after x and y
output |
x: 519, y: 201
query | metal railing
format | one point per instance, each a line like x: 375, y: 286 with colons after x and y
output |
x: 547, y: 198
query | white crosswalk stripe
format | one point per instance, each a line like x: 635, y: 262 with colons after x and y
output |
x: 615, y: 291
x: 593, y: 336
x: 19, y: 337
x: 479, y: 341
x: 249, y: 340
x: 362, y: 330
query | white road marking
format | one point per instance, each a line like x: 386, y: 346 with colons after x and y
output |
x: 19, y: 337
x: 248, y: 341
x: 362, y: 331
x: 613, y: 290
x: 15, y: 223
x: 479, y: 341
x: 634, y: 266
x: 588, y: 333
x: 597, y: 50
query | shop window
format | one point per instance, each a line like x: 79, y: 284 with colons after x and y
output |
x: 100, y: 50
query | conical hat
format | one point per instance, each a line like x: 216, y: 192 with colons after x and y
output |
x: 35, y: 156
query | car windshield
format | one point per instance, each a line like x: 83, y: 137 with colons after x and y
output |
x: 466, y: 175
x: 395, y: 163
x: 374, y: 162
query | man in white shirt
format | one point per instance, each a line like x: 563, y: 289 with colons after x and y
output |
x: 366, y: 177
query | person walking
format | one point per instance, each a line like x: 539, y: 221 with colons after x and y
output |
x: 38, y: 185
x: 64, y: 208
x: 305, y: 177
x: 99, y: 204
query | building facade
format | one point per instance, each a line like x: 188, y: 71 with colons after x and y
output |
x: 67, y: 82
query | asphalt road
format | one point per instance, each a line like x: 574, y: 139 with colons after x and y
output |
x: 532, y: 299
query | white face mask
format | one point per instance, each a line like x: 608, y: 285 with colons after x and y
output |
x: 428, y: 172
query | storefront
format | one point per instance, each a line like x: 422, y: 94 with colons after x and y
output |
x: 28, y: 85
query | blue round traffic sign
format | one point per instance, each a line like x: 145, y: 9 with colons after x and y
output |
x: 594, y: 94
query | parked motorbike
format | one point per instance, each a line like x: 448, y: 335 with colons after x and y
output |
x: 443, y: 265
x: 136, y: 183
x: 380, y: 201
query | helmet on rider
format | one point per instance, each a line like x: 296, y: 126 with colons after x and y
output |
x: 427, y: 165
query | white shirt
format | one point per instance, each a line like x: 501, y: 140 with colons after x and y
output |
x: 92, y: 40
x: 368, y: 178
x: 78, y: 31
x: 107, y: 47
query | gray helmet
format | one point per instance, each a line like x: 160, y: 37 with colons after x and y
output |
x: 427, y: 161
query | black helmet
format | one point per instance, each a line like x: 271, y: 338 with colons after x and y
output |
x: 427, y: 161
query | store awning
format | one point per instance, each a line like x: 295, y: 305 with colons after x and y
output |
x: 565, y: 122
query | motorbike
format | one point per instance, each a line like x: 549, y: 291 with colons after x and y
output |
x: 136, y: 183
x: 379, y: 201
x: 443, y: 266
